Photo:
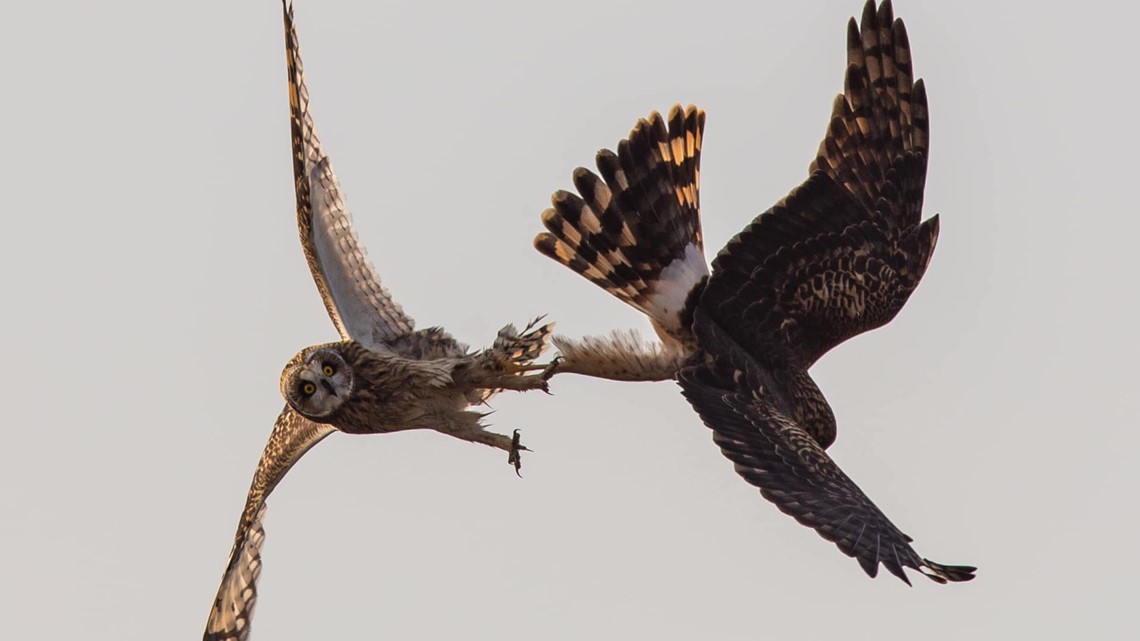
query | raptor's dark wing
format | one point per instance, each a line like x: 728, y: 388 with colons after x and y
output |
x: 881, y: 116
x: 774, y: 453
x: 841, y: 254
x: 793, y: 301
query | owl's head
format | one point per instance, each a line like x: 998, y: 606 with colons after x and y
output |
x: 316, y: 382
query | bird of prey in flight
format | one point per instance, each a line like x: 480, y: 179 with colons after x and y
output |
x: 383, y: 376
x: 838, y: 256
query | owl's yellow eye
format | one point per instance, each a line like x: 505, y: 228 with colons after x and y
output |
x: 328, y: 370
x: 308, y: 389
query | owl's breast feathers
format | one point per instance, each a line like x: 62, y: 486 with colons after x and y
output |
x: 392, y: 393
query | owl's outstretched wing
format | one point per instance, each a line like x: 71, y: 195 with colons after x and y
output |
x: 292, y: 436
x: 357, y: 303
x: 775, y: 454
x: 232, y: 613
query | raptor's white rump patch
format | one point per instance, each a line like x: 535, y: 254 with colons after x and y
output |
x: 672, y: 287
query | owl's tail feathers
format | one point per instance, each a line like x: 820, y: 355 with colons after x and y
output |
x: 521, y: 349
x: 635, y: 228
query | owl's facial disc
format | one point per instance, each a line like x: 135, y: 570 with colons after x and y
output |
x: 319, y: 385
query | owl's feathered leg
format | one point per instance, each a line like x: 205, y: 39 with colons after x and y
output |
x: 467, y: 426
x: 514, y: 382
x: 506, y: 364
x: 514, y: 352
x: 513, y: 456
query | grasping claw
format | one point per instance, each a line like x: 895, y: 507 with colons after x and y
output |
x: 551, y: 368
x: 513, y: 456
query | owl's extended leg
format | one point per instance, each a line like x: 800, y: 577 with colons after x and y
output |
x: 515, y: 382
x: 514, y: 456
x: 515, y: 368
x: 470, y: 429
x: 488, y: 374
x: 514, y: 352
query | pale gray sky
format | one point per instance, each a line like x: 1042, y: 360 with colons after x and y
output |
x: 155, y: 289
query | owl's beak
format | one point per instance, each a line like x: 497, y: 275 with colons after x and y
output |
x: 328, y: 386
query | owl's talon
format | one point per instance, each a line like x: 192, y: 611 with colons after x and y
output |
x: 513, y: 368
x: 551, y: 368
x: 513, y: 456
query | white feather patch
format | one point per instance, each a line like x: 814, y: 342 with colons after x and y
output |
x: 672, y: 287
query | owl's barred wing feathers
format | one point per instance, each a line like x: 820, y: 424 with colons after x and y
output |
x: 292, y: 436
x: 773, y: 453
x: 232, y: 613
x: 636, y: 230
x: 357, y: 303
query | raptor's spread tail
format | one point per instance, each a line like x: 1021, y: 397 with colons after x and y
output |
x: 635, y: 230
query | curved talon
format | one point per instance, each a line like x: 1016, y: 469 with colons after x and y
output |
x: 498, y: 367
x: 513, y: 457
x: 551, y: 368
x: 511, y: 368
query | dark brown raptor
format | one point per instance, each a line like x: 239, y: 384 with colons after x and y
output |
x: 840, y: 255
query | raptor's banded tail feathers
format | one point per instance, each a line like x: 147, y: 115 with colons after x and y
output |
x: 635, y: 230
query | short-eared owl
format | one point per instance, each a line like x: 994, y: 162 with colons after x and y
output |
x: 383, y: 376
x: 839, y: 256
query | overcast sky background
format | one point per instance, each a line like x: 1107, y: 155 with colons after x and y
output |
x: 155, y: 288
